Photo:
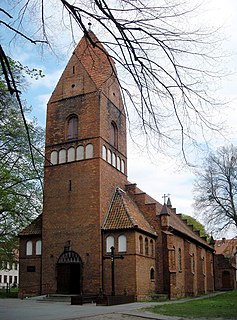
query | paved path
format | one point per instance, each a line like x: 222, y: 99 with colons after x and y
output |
x: 29, y: 309
x: 32, y: 309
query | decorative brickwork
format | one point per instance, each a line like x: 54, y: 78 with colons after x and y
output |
x: 89, y: 206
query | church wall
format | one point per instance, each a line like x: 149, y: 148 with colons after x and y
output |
x: 161, y: 254
x: 146, y: 270
x: 72, y: 214
x: 178, y: 288
x: 209, y: 272
x: 200, y: 273
x: 29, y: 269
x: 85, y: 106
x: 125, y: 269
x: 111, y: 176
x: 79, y: 192
x: 189, y: 273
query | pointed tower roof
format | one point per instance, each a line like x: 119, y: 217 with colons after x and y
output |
x: 124, y: 214
x: 169, y: 204
x: 164, y: 210
x: 89, y: 69
x: 95, y: 59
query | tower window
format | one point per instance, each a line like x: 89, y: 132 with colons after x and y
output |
x: 114, y: 134
x: 80, y: 153
x: 62, y: 156
x: 122, y: 166
x: 71, y: 154
x: 54, y: 157
x: 89, y: 151
x: 113, y: 160
x: 109, y: 156
x: 118, y: 163
x: 104, y: 152
x: 72, y: 127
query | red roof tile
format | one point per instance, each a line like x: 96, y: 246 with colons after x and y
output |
x: 124, y: 214
x: 227, y: 247
x: 175, y: 221
x: 95, y: 59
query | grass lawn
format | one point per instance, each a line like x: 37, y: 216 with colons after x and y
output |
x: 12, y: 294
x: 220, y: 306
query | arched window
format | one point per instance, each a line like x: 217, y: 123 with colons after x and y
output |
x: 203, y: 265
x: 179, y: 260
x: 118, y: 163
x: 113, y: 159
x: 38, y: 247
x: 109, y: 156
x: 146, y: 247
x: 54, y: 157
x: 109, y: 243
x: 71, y: 154
x: 122, y: 166
x: 151, y: 248
x: 114, y: 134
x: 72, y: 127
x: 140, y: 245
x: 152, y: 274
x: 192, y: 263
x: 80, y: 153
x: 89, y: 151
x: 29, y: 248
x: 122, y: 243
x: 104, y: 153
x: 62, y: 156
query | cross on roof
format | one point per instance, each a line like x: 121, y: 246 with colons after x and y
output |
x: 165, y: 196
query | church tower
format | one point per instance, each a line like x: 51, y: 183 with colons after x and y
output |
x: 86, y: 160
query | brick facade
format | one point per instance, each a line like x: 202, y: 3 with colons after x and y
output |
x: 89, y: 202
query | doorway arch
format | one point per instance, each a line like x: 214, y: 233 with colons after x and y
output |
x: 69, y: 273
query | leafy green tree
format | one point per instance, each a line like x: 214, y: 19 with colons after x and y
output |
x: 197, y: 226
x: 20, y: 179
x: 216, y: 189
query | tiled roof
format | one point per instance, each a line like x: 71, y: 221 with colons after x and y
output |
x: 175, y: 222
x: 124, y: 214
x: 34, y: 228
x: 227, y: 247
x: 95, y: 59
x: 178, y: 224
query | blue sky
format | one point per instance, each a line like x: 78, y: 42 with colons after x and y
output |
x: 159, y: 174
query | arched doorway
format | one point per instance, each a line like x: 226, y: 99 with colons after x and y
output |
x: 69, y: 273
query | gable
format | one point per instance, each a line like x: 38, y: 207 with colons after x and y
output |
x: 124, y: 214
x: 88, y: 70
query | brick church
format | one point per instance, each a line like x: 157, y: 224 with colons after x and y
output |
x: 90, y: 206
